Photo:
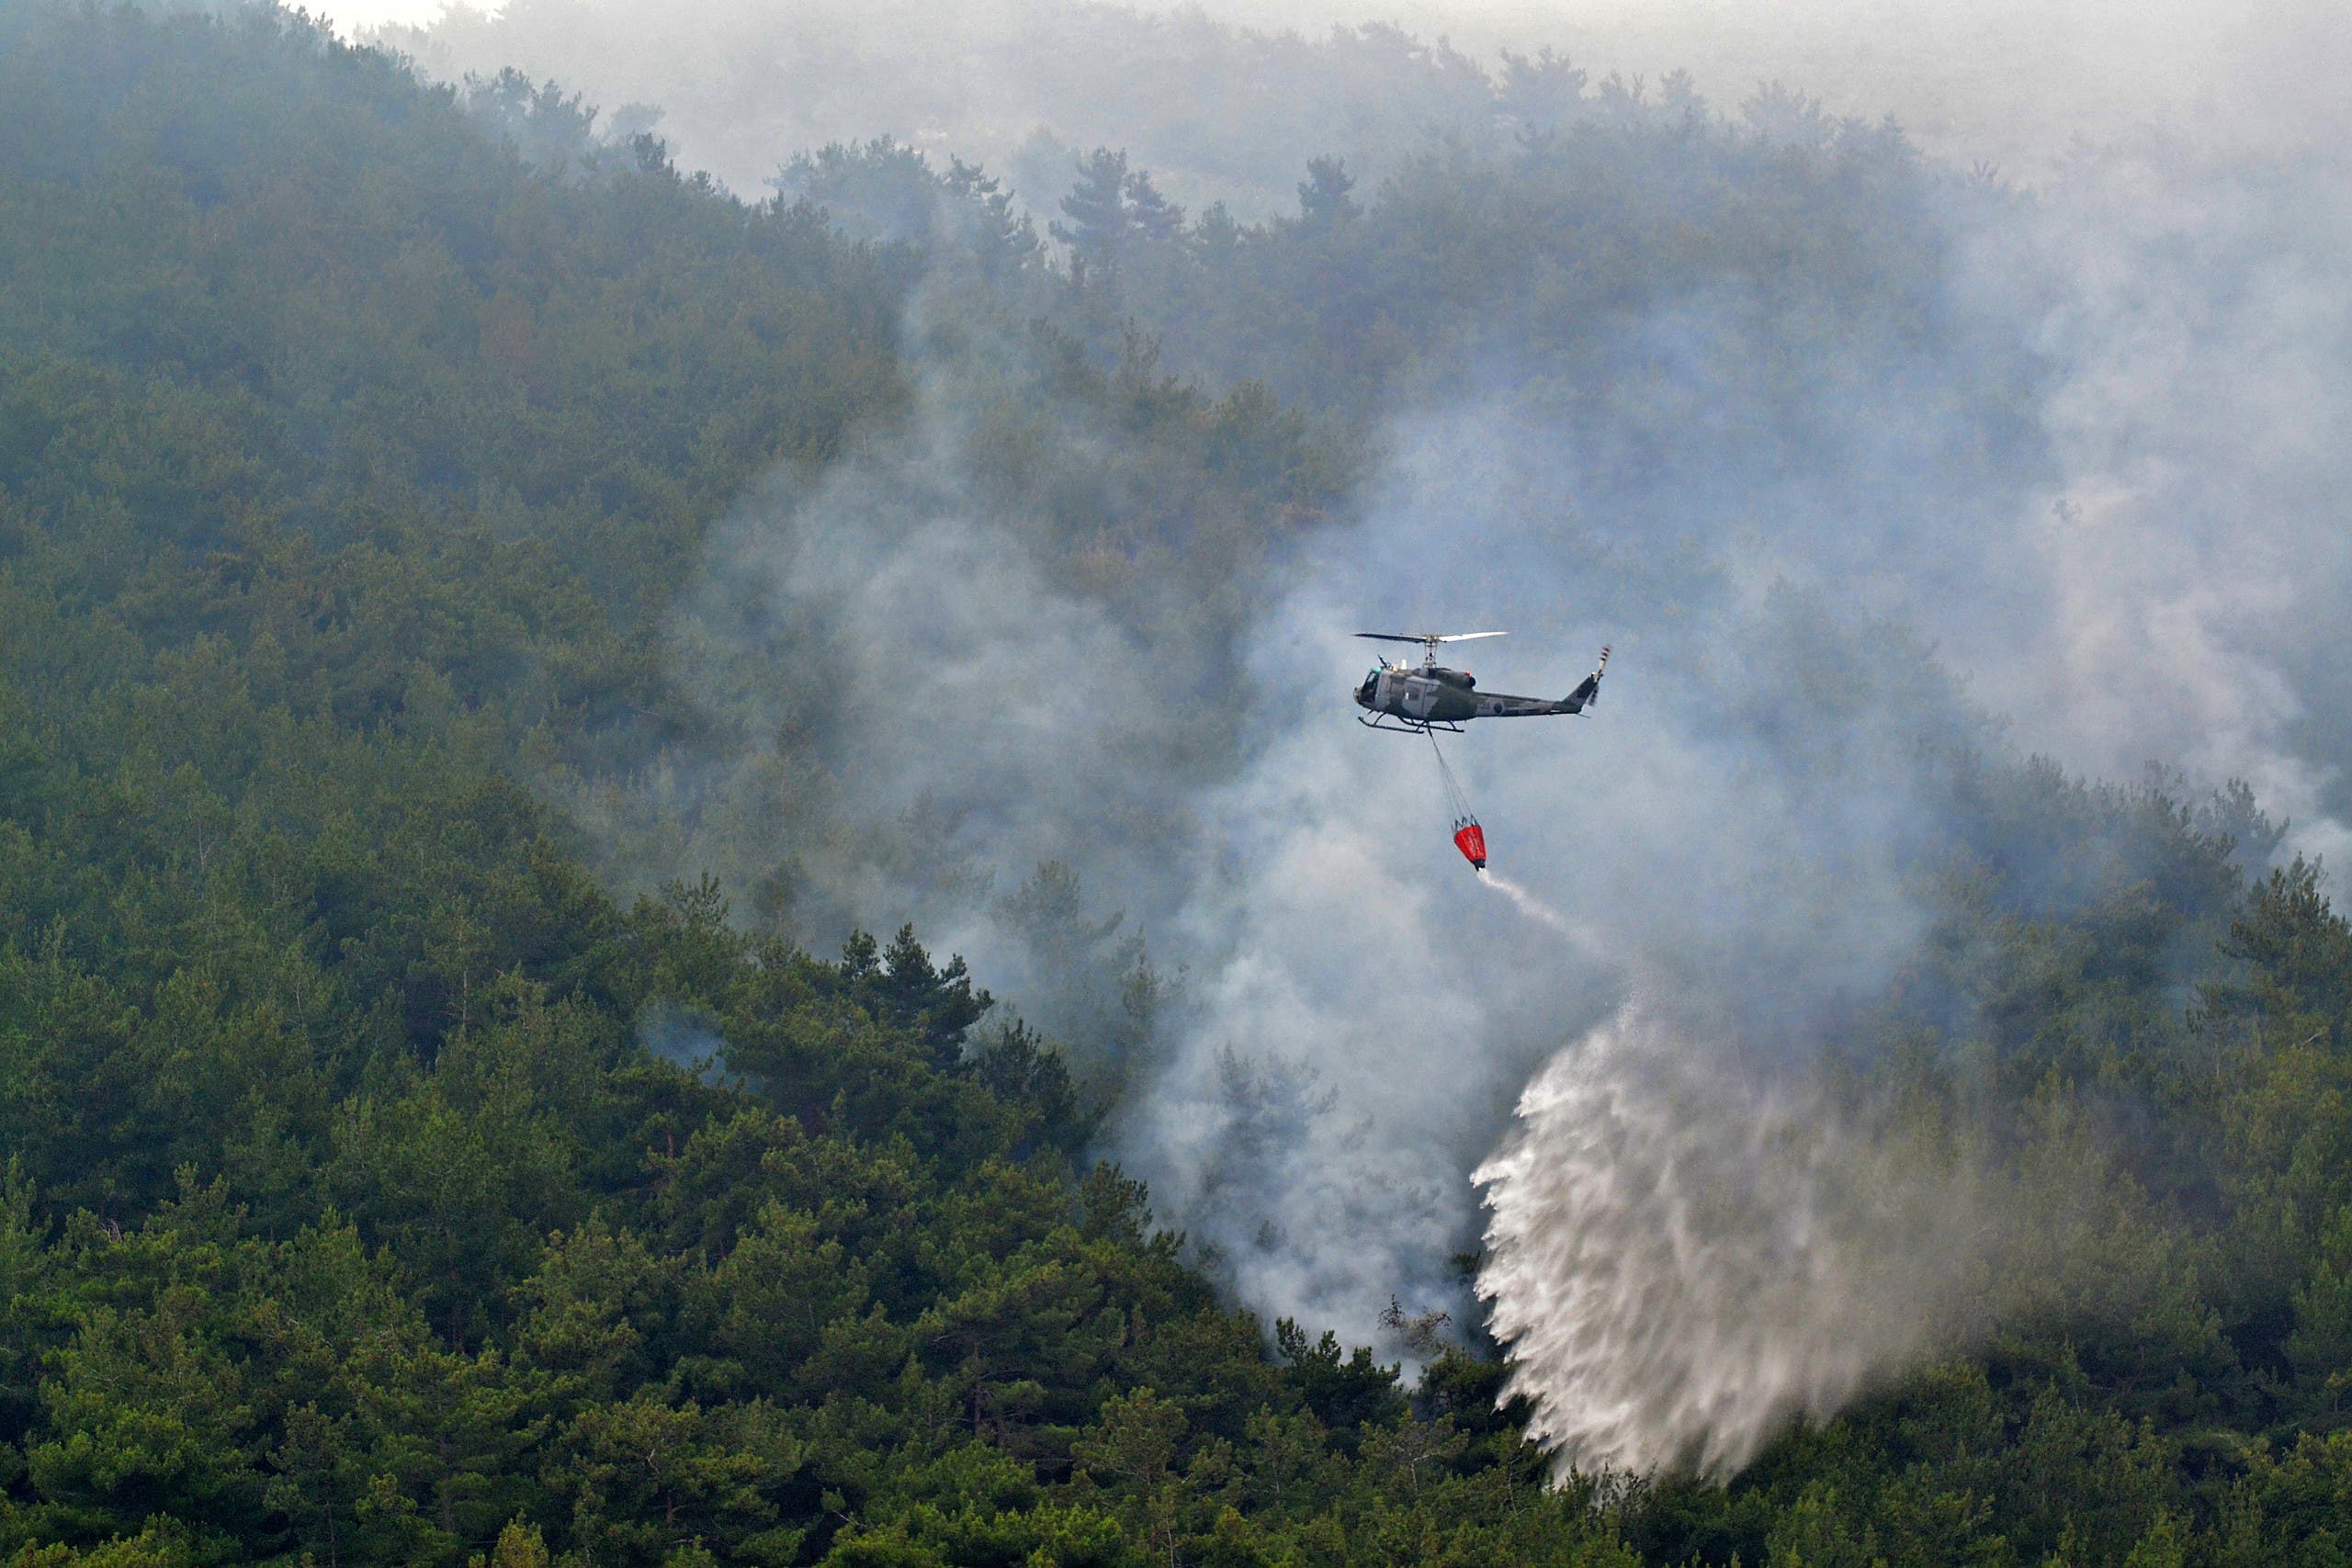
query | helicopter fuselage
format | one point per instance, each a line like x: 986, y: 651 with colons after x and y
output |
x: 1435, y: 697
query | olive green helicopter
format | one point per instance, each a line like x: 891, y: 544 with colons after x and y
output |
x: 1425, y: 698
x: 1417, y: 699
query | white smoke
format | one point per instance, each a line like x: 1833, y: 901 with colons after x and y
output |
x: 2193, y: 541
x: 1690, y: 1243
x: 1712, y: 820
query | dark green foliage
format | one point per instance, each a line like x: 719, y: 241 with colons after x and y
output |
x: 2296, y: 952
x: 1344, y: 1391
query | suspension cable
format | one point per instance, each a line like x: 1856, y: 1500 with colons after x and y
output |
x: 1458, y: 802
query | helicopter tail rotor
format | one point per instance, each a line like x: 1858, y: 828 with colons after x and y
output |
x: 1588, y: 691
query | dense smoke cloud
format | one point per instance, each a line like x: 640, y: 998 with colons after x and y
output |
x: 910, y: 710
x: 2086, y: 501
x: 1736, y: 818
x: 2199, y: 305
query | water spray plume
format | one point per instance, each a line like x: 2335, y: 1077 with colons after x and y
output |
x: 1682, y: 1258
x: 1543, y: 914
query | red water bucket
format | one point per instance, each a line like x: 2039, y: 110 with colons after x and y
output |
x: 1471, y: 839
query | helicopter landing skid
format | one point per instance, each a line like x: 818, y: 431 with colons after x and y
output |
x: 1395, y: 725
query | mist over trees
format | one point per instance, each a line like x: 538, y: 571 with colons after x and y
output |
x: 1215, y: 111
x: 1218, y: 97
x: 485, y: 612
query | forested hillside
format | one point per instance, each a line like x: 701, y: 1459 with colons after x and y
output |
x: 389, y: 1179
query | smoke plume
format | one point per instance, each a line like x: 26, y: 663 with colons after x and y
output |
x: 2074, y: 488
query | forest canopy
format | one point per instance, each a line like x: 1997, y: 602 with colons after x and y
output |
x: 453, y: 1114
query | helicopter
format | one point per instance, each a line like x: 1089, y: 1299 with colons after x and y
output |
x: 1418, y: 699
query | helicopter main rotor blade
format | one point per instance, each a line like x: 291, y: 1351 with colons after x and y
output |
x: 1429, y: 636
